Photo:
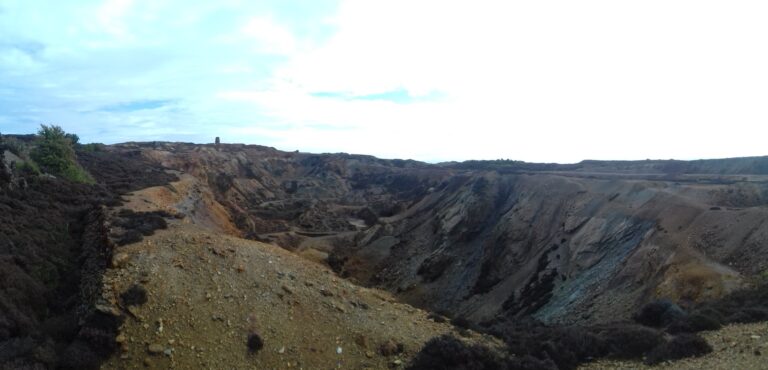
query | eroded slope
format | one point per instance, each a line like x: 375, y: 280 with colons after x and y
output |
x: 568, y: 244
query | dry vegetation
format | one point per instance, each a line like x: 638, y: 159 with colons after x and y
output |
x: 52, y: 254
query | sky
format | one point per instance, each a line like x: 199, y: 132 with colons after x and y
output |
x: 432, y: 80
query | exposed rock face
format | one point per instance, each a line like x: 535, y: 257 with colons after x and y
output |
x: 585, y: 242
x: 565, y: 249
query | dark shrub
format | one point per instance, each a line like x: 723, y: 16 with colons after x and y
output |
x: 563, y: 347
x: 563, y: 357
x: 63, y: 327
x: 15, y: 348
x: 136, y: 295
x: 567, y: 347
x: 749, y: 314
x: 336, y: 261
x: 461, y: 322
x: 22, y: 364
x: 744, y: 306
x: 45, y: 353
x: 711, y: 313
x: 446, y: 352
x: 151, y: 223
x: 129, y: 237
x: 144, y: 222
x: 630, y: 341
x: 695, y: 322
x: 134, y: 225
x: 123, y: 172
x: 585, y: 344
x: 659, y: 313
x: 79, y: 355
x: 681, y: 346
x: 255, y: 343
x: 100, y: 340
x: 530, y: 363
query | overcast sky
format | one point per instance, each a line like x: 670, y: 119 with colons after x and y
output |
x: 431, y: 80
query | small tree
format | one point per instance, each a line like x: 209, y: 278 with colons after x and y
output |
x: 55, y: 153
x: 54, y: 150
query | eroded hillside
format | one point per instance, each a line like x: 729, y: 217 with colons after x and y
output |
x: 573, y: 244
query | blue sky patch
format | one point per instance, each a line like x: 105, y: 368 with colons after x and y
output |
x: 136, y: 105
x: 396, y: 96
x: 400, y: 96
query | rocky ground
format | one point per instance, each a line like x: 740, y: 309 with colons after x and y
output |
x: 208, y: 292
x: 738, y: 346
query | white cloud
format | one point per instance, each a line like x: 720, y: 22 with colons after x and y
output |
x: 541, y: 81
x: 111, y: 17
x: 271, y: 37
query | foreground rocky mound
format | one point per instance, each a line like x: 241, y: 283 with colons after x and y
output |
x: 201, y: 299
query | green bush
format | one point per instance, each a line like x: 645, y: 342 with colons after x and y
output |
x: 29, y: 168
x: 54, y: 152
